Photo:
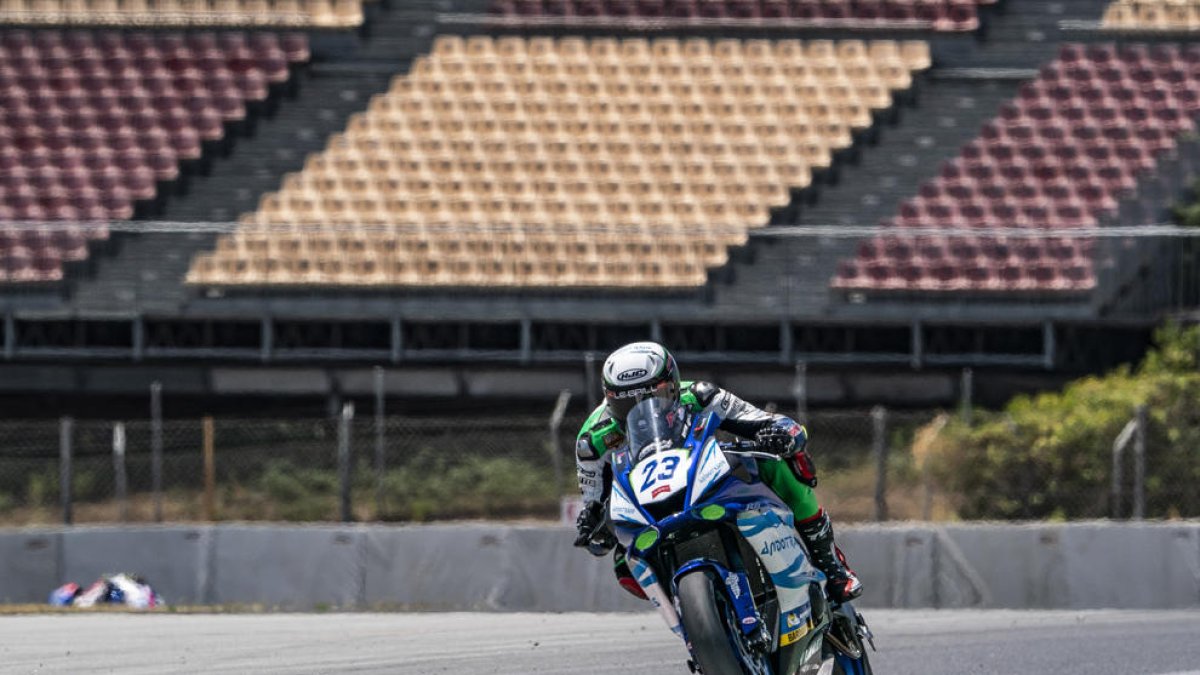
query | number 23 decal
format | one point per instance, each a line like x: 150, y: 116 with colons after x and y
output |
x: 669, y: 466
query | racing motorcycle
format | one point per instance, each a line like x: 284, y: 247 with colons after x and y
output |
x: 717, y: 553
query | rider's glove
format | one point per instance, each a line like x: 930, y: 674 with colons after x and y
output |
x: 593, y: 533
x: 776, y: 441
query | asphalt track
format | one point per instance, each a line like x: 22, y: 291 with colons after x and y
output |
x: 910, y: 643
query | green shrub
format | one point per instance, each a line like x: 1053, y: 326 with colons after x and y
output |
x: 437, y: 486
x: 1049, y: 456
x: 300, y: 494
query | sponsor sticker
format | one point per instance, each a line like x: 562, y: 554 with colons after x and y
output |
x: 734, y: 587
x: 632, y: 374
x: 789, y: 638
x: 661, y: 489
x: 749, y: 621
x: 779, y: 545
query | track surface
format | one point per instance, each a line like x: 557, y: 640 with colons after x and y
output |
x: 910, y: 643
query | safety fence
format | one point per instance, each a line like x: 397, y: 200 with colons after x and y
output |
x: 363, y: 465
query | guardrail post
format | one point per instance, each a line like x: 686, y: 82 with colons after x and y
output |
x: 343, y: 454
x: 210, y: 471
x: 380, y: 459
x: 120, y: 477
x: 1118, y: 473
x: 1139, y: 465
x: 879, y: 442
x: 556, y: 418
x: 66, y: 427
x: 589, y: 378
x: 800, y: 391
x: 966, y: 394
x: 156, y: 449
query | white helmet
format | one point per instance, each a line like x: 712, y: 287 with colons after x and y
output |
x: 638, y: 371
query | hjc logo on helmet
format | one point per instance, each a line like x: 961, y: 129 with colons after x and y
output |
x: 632, y: 374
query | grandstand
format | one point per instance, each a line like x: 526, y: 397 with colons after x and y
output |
x: 312, y: 186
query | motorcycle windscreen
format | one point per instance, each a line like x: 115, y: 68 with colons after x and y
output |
x: 655, y: 425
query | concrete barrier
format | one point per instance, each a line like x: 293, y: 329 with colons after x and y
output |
x: 173, y: 558
x: 29, y: 565
x: 524, y: 568
x: 286, y: 567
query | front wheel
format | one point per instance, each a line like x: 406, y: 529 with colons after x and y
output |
x: 710, y: 626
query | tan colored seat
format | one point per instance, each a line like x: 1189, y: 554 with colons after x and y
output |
x: 533, y: 135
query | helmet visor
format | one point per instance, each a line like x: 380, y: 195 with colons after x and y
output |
x: 621, y: 402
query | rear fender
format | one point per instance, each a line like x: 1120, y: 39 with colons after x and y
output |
x: 736, y: 587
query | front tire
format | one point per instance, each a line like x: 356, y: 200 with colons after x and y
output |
x: 705, y: 615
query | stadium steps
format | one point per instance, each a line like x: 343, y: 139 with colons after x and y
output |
x: 788, y: 277
x: 791, y: 276
x: 1026, y: 33
x: 144, y: 271
x: 953, y: 102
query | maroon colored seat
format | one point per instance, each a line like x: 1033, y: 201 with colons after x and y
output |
x: 16, y: 265
x: 295, y: 46
x: 931, y: 249
x: 771, y: 9
x: 849, y: 274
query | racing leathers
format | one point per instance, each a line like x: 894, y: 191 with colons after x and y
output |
x: 792, y: 478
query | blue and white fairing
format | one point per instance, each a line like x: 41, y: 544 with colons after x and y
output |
x: 694, y: 464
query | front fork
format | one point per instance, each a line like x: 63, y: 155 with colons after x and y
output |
x: 749, y: 621
x: 648, y: 580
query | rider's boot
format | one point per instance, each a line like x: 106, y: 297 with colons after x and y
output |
x: 817, y: 532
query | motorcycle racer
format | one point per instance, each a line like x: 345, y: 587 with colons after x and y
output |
x: 646, y: 369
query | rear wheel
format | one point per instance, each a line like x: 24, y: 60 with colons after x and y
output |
x: 709, y: 623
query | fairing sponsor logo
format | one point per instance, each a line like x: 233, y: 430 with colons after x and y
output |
x: 793, y: 620
x: 632, y: 374
x: 788, y: 638
x: 734, y: 587
x: 788, y: 543
x: 661, y: 489
x: 713, y: 466
x: 622, y: 508
x: 639, y: 393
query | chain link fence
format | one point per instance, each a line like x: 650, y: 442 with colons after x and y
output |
x: 433, y: 468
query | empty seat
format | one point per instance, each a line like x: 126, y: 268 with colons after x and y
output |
x: 638, y: 135
x: 97, y: 120
x: 184, y: 14
x: 1061, y: 155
